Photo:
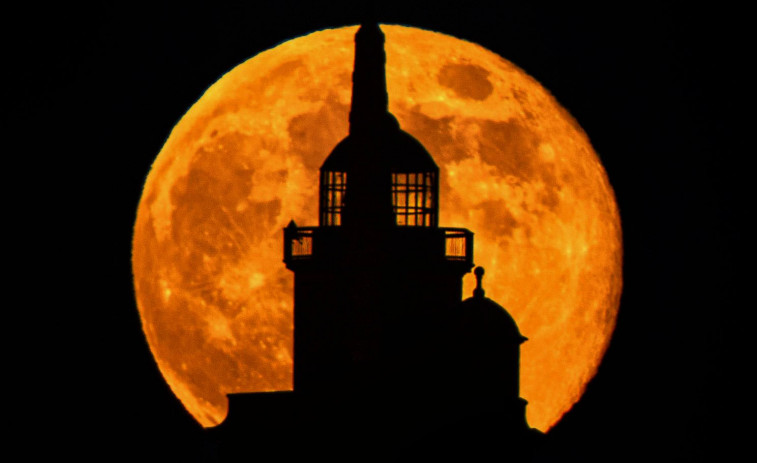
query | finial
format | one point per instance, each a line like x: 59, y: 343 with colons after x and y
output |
x: 479, y: 291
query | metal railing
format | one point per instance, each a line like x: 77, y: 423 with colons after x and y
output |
x: 299, y: 243
x: 458, y: 244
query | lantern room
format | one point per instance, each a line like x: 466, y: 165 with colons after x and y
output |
x: 409, y: 180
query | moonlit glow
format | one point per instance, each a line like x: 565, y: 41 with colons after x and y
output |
x: 516, y: 169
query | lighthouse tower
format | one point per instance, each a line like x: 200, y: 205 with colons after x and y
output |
x: 388, y: 357
x: 376, y: 280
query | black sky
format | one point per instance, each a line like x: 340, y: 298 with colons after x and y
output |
x: 658, y: 90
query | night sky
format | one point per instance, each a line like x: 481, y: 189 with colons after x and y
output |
x: 658, y: 91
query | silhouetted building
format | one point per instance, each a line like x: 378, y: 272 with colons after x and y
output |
x: 388, y: 359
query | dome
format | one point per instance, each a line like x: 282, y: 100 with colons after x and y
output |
x: 492, y: 317
x: 399, y: 151
x: 481, y: 313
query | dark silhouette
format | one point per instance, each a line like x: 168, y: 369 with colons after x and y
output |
x: 390, y: 363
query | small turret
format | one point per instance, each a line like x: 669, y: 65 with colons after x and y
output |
x: 490, y: 349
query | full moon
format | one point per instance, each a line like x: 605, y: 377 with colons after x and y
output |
x: 215, y: 299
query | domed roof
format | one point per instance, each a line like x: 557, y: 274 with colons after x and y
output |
x: 489, y: 315
x: 494, y: 316
x: 375, y: 140
x: 399, y: 151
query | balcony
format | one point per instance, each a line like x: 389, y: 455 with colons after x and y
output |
x: 453, y: 244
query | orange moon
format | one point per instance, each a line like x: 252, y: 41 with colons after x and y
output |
x: 214, y: 297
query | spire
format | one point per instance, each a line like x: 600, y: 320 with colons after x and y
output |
x: 369, y: 96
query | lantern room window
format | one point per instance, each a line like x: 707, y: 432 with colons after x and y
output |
x: 414, y: 198
x: 333, y: 187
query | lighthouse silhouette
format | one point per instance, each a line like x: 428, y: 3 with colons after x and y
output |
x: 390, y: 363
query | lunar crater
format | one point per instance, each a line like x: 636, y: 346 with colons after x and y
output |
x: 466, y: 80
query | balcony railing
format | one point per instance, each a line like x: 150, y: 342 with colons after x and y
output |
x: 458, y: 244
x: 299, y: 243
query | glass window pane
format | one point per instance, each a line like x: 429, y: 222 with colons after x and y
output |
x: 401, y: 199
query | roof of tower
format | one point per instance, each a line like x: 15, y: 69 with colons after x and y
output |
x: 400, y: 150
x: 370, y: 120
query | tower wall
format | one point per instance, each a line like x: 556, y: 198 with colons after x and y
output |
x: 370, y: 322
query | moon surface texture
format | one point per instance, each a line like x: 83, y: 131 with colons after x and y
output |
x: 215, y: 299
